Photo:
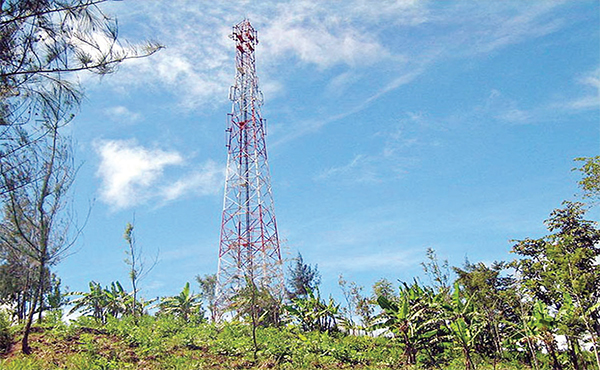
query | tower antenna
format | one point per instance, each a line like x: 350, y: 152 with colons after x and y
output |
x: 249, y: 250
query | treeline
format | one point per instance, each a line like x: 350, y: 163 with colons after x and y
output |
x: 542, y: 308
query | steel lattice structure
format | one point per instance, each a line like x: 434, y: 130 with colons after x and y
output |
x: 249, y: 245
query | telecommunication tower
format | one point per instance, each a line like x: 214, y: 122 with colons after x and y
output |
x: 249, y: 245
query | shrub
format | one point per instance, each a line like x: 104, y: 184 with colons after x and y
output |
x: 6, y: 335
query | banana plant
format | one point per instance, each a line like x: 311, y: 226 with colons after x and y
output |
x: 464, y: 324
x: 92, y: 303
x: 413, y: 318
x: 572, y: 313
x: 539, y: 326
x: 183, y: 305
x: 314, y: 313
x: 101, y: 303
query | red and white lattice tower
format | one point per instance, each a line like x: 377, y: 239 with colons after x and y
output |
x: 249, y: 247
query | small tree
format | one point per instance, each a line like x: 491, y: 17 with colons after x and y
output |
x: 439, y: 274
x: 137, y: 267
x: 356, y: 305
x: 301, y: 278
x: 208, y: 284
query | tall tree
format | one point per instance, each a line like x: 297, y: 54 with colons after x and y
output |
x: 561, y: 270
x: 494, y: 295
x: 37, y: 222
x: 42, y: 44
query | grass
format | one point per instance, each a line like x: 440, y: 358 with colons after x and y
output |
x: 168, y: 343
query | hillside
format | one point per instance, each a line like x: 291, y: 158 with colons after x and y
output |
x: 166, y: 343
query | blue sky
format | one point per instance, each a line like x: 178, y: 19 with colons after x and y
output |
x: 392, y: 128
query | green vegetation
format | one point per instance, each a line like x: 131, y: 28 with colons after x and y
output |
x: 167, y: 342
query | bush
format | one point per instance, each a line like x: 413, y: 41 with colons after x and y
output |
x: 6, y: 335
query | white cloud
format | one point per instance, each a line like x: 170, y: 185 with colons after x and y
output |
x: 132, y: 175
x: 316, y: 44
x: 129, y: 171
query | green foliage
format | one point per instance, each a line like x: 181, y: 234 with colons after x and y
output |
x: 167, y: 342
x: 6, y: 335
x: 25, y: 363
x: 314, y: 313
x: 301, y: 278
x: 495, y: 295
x: 414, y: 318
x: 208, y: 284
x: 465, y: 324
x: 439, y: 274
x: 590, y: 183
x: 185, y: 305
x: 258, y: 305
x: 561, y: 271
x: 103, y: 303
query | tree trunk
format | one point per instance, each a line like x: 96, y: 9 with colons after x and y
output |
x: 25, y: 348
x: 468, y: 361
x: 572, y: 352
x: 551, y: 348
x: 533, y: 354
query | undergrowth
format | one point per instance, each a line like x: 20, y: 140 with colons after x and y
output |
x: 168, y: 343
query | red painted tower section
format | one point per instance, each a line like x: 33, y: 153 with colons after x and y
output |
x: 249, y: 247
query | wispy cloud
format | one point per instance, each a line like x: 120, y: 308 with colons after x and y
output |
x: 123, y: 114
x: 502, y: 24
x: 393, y: 158
x: 132, y: 175
x: 206, y: 180
x: 376, y: 261
x: 390, y: 39
x: 197, y: 66
x: 591, y: 98
x: 360, y: 169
